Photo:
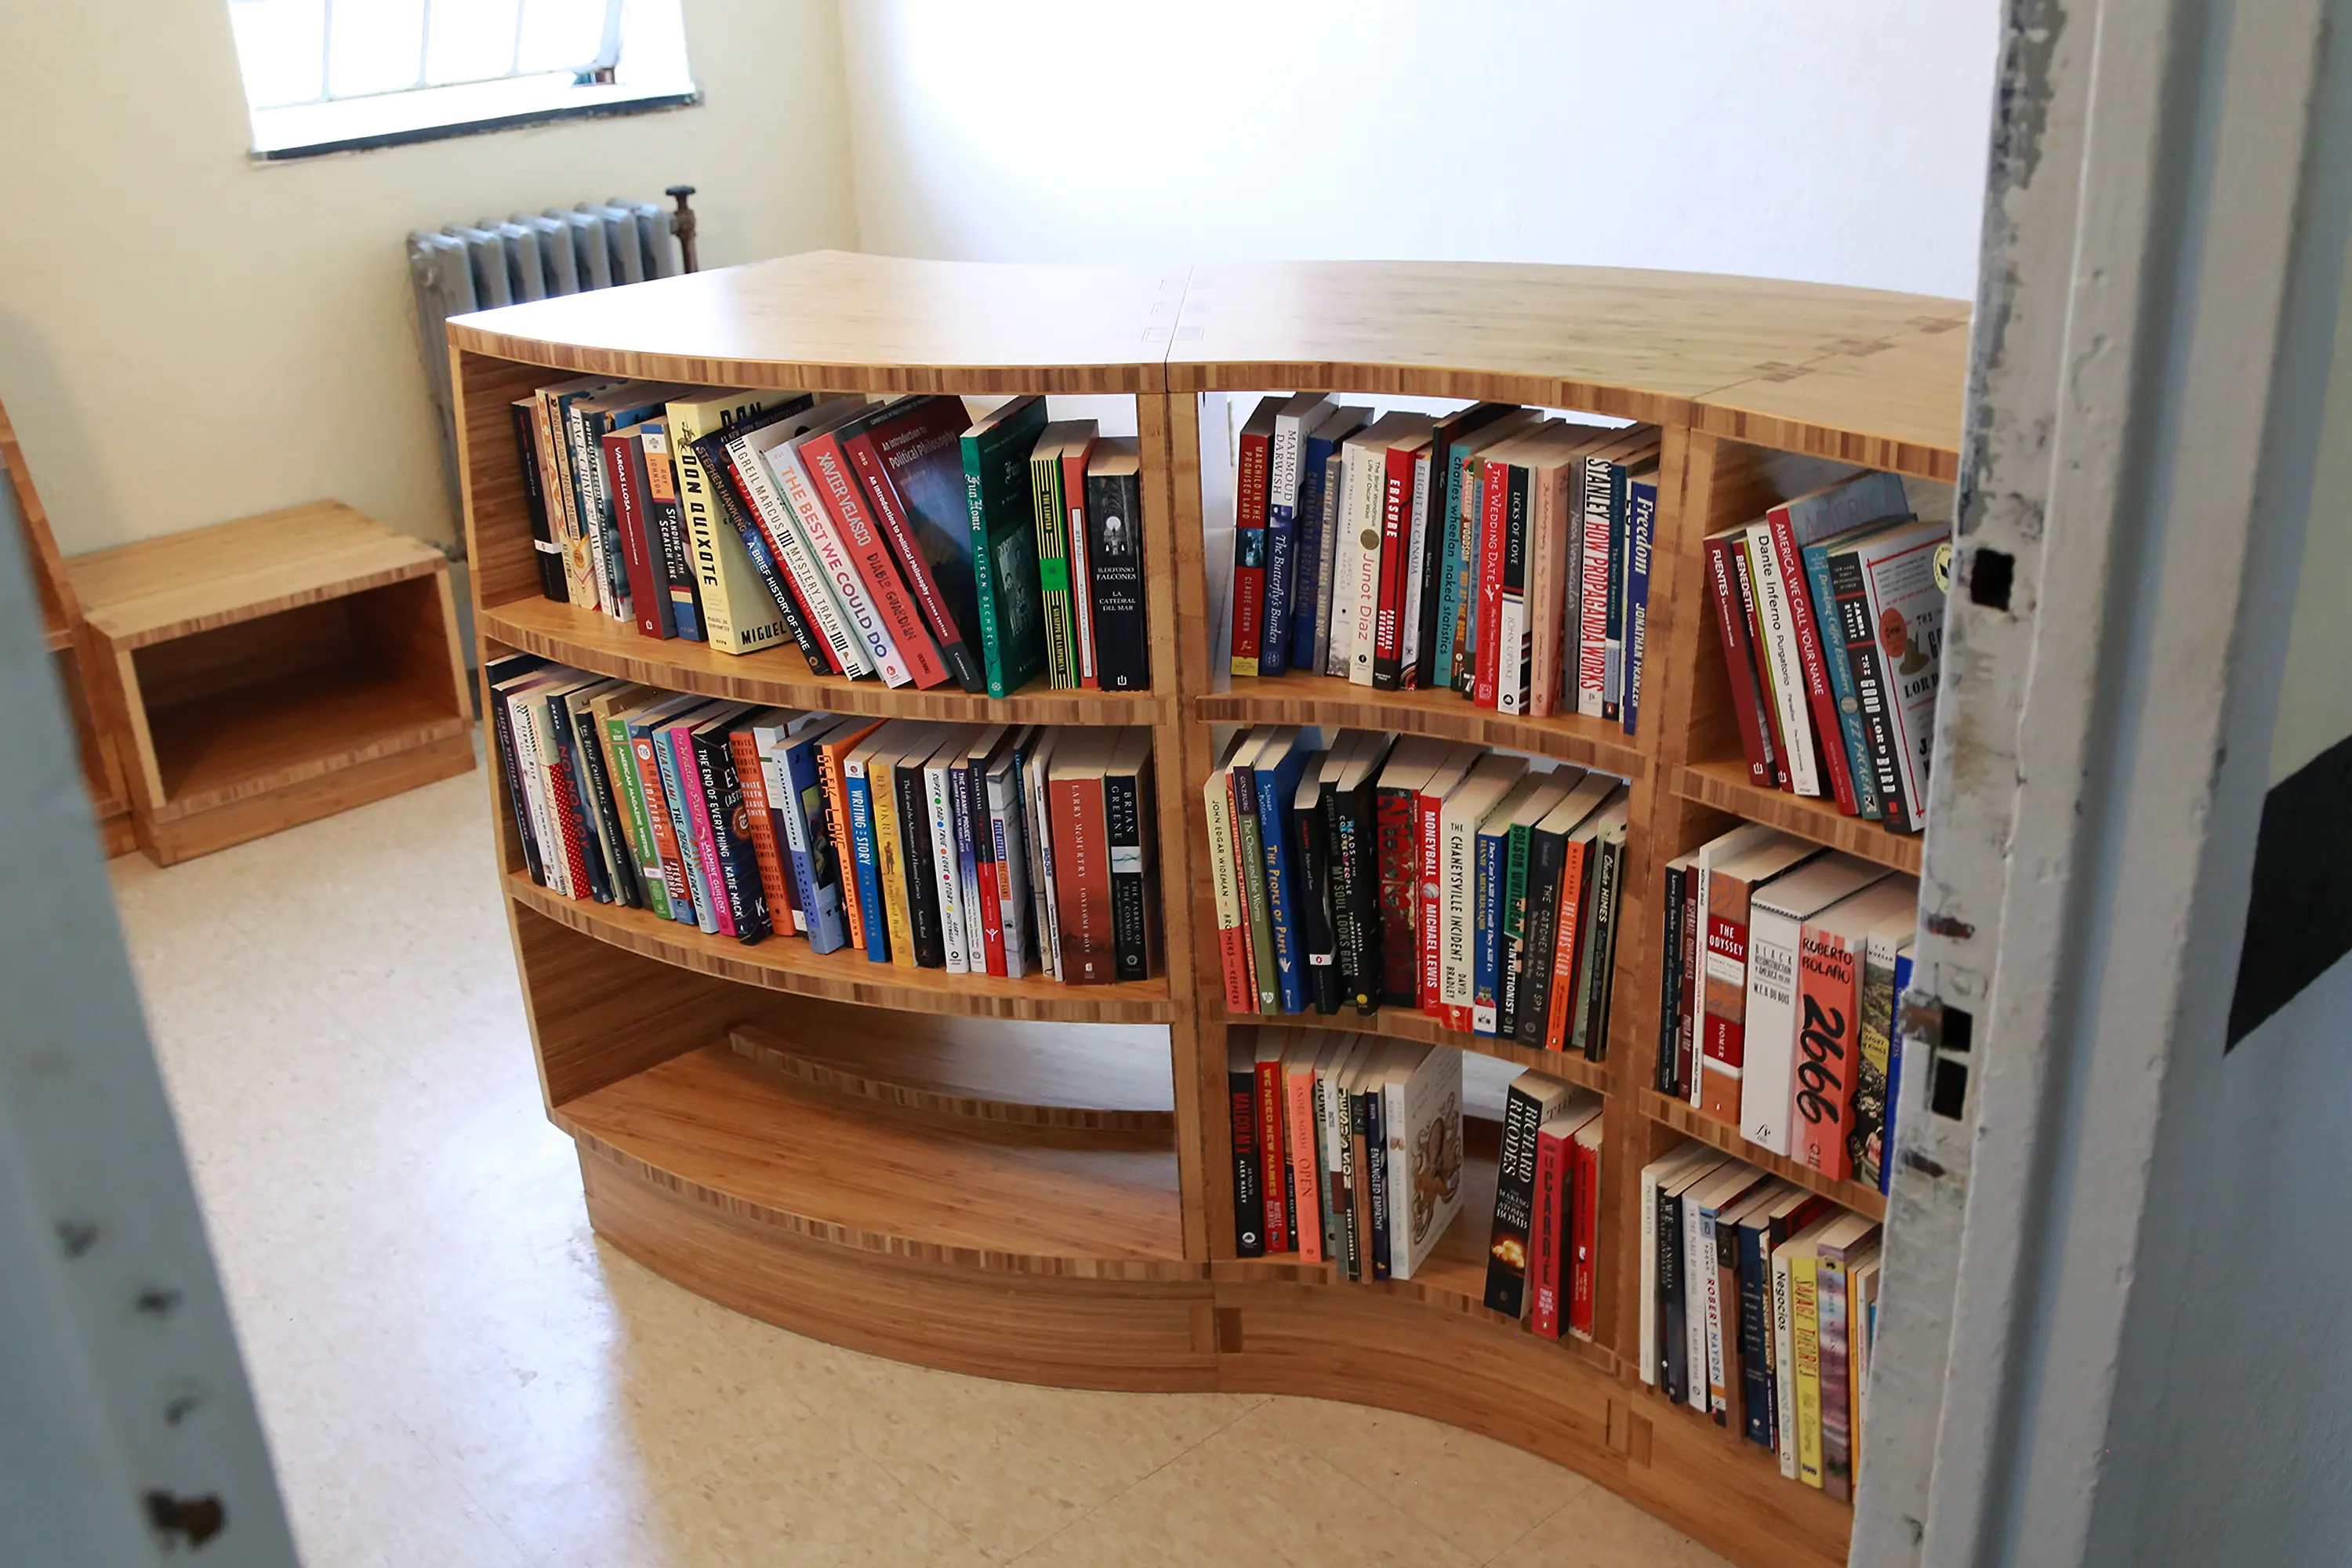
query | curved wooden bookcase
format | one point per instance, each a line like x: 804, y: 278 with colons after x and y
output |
x: 965, y: 1172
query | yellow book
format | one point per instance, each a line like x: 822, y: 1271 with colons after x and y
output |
x: 738, y: 614
x: 1805, y: 1327
x: 910, y: 743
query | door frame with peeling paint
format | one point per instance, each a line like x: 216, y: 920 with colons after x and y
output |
x: 2164, y: 221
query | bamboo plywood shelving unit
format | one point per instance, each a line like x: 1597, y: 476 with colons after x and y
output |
x: 965, y: 1226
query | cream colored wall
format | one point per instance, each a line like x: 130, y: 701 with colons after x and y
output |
x: 185, y: 337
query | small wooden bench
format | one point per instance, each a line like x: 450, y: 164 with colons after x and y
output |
x: 273, y: 670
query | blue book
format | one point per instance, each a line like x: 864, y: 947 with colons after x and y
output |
x: 1314, y: 502
x: 1487, y: 935
x: 1893, y: 1076
x: 1756, y: 1389
x: 1276, y: 779
x: 1816, y: 558
x: 681, y: 821
x: 1281, y: 571
x: 869, y: 868
x: 1640, y: 539
x: 808, y: 831
x: 1451, y: 589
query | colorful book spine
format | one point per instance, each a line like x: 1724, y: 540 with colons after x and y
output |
x: 1640, y: 539
x: 798, y: 786
x: 1490, y: 884
x: 744, y: 907
x: 666, y: 526
x: 1250, y: 486
x: 759, y: 819
x: 865, y: 856
x: 1249, y: 1184
x: 846, y: 508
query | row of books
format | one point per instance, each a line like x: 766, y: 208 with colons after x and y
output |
x: 1830, y: 614
x: 977, y: 849
x: 1539, y: 1255
x: 1782, y: 963
x: 898, y: 538
x: 1495, y: 551
x: 1347, y: 1148
x: 1479, y: 887
x: 1760, y: 1307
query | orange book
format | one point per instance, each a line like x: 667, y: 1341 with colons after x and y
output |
x: 1829, y: 951
x: 1566, y: 951
x: 830, y: 753
x: 782, y: 910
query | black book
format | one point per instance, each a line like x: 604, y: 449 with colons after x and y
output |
x: 611, y: 825
x: 1127, y: 814
x: 1349, y: 808
x: 543, y: 542
x: 718, y: 467
x: 1440, y: 452
x: 567, y: 751
x: 1532, y: 1098
x: 673, y: 553
x: 927, y: 938
x: 1356, y: 1164
x: 1606, y: 883
x: 1114, y: 522
x: 1318, y: 941
x: 1376, y: 1154
x: 1547, y: 859
x: 738, y: 865
x: 1665, y: 1076
x: 1514, y: 586
x: 1674, y: 1353
x: 1249, y: 1188
x: 496, y: 673
x: 1871, y: 691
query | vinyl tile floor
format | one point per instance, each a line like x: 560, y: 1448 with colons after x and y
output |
x: 455, y: 1373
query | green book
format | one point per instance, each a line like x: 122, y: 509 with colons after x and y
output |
x: 1250, y: 831
x: 1005, y: 542
x: 1051, y: 512
x: 633, y: 795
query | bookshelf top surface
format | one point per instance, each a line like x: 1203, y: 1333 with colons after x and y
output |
x: 994, y: 326
x: 1779, y: 361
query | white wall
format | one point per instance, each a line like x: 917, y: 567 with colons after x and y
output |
x: 1837, y: 140
x: 185, y: 337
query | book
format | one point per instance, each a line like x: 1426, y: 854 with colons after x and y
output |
x: 1379, y: 1214
x: 666, y: 524
x: 1532, y: 1100
x: 1587, y: 1027
x: 740, y: 894
x: 1285, y: 467
x: 1731, y: 882
x: 799, y: 782
x: 1511, y: 941
x: 1300, y: 1144
x: 1318, y: 496
x: 500, y: 675
x: 1905, y: 574
x: 1895, y: 1070
x: 1454, y: 453
x: 626, y: 483
x: 1249, y: 847
x: 1461, y: 813
x: 560, y: 473
x: 1664, y: 1349
x: 1865, y: 1134
x: 1550, y: 894
x: 1640, y: 539
x: 1249, y: 1169
x: 1586, y: 890
x: 1708, y: 1344
x: 1350, y: 808
x: 1551, y: 1233
x: 1036, y: 763
x: 1251, y: 479
x: 1265, y: 1065
x: 909, y: 465
x: 739, y: 614
x: 1545, y: 674
x: 1427, y: 602
x: 1082, y: 856
x: 1225, y: 884
x: 547, y: 552
x: 1668, y: 1066
x: 917, y: 869
x: 586, y: 422
x: 829, y: 550
x: 1397, y: 804
x: 1275, y: 773
x: 859, y: 528
x: 1116, y: 627
x: 1789, y: 528
x: 1827, y: 1046
x: 1749, y: 707
x: 1401, y: 485
x: 1007, y: 852
x: 956, y: 936
x: 549, y: 475
x: 1636, y: 453
x: 1128, y: 806
x: 1837, y: 1263
x: 1309, y: 832
x: 1769, y: 1038
x: 731, y: 496
x: 1429, y: 907
x: 749, y: 741
x: 1421, y: 1124
x: 1050, y: 500
x: 1334, y: 1071
x: 1000, y: 506
x: 1378, y: 500
x: 1775, y: 650
x: 1734, y: 842
x: 1490, y: 884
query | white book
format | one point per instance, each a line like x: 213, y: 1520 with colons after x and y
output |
x: 523, y: 715
x: 1416, y: 547
x: 972, y: 766
x: 1225, y: 876
x: 1423, y: 1124
x: 1466, y: 807
x: 770, y: 739
x: 832, y: 551
x: 1009, y: 838
x: 1355, y: 591
x: 1776, y: 919
x: 1659, y: 1175
x: 1788, y: 682
x: 795, y: 558
x: 947, y: 869
x: 1737, y: 841
x: 1703, y: 1207
x: 1335, y: 496
x: 1291, y: 423
x: 1045, y: 907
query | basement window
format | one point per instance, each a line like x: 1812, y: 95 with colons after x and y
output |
x: 335, y: 75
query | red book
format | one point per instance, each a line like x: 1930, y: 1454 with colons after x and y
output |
x: 624, y: 481
x: 1082, y: 582
x: 829, y: 757
x: 665, y: 845
x: 1809, y: 659
x: 1751, y: 622
x: 1429, y: 902
x: 1584, y: 1224
x: 1397, y: 823
x: 1739, y: 659
x: 1829, y: 1019
x: 993, y: 884
x: 1546, y: 1230
x: 1082, y: 860
x: 1567, y: 950
x: 1277, y: 1156
x: 837, y: 490
x: 1250, y: 485
x: 1396, y: 526
x: 919, y: 452
x: 1494, y: 503
x: 569, y: 822
x: 784, y: 914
